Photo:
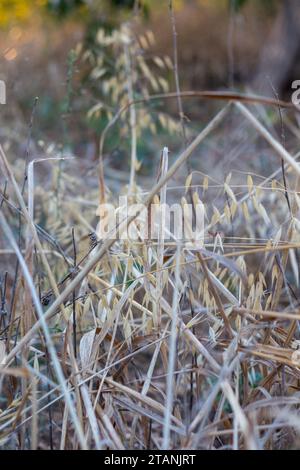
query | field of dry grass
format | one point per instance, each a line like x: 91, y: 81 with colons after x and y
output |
x: 155, y: 343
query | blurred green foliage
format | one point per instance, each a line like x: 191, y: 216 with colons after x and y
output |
x: 16, y: 11
x: 12, y: 11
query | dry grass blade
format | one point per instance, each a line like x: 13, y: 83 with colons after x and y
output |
x: 110, y: 241
x: 45, y: 328
x: 172, y: 353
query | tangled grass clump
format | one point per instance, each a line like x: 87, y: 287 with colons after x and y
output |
x: 149, y: 344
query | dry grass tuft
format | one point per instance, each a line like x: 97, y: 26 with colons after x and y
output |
x: 154, y: 343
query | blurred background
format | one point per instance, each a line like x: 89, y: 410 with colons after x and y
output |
x: 69, y: 55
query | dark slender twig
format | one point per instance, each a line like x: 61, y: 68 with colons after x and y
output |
x: 230, y: 42
x: 3, y: 311
x: 30, y: 128
x: 194, y: 357
x: 3, y: 195
x: 176, y: 74
x: 49, y: 373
